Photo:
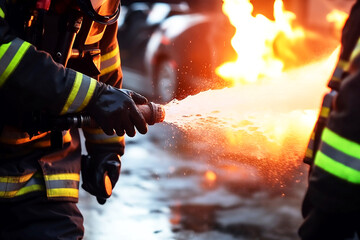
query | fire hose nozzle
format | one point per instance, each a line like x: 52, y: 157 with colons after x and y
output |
x: 152, y: 112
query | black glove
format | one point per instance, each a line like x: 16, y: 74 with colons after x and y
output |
x: 100, y: 173
x: 115, y: 109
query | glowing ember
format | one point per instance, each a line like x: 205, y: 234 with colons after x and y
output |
x: 210, y: 176
x: 254, y: 41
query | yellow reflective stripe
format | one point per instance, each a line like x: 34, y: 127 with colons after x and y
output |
x: 110, y: 61
x: 2, y: 14
x: 337, y: 169
x: 355, y: 51
x: 73, y: 92
x: 114, y: 139
x: 313, y: 135
x: 22, y: 191
x: 309, y: 153
x: 3, y: 48
x: 344, y: 65
x: 89, y: 94
x: 111, y: 68
x: 31, y: 188
x: 63, y: 192
x: 342, y: 144
x: 14, y: 62
x: 16, y: 179
x: 109, y: 55
x: 63, y: 176
x: 325, y: 111
x: 80, y: 94
x: 93, y: 130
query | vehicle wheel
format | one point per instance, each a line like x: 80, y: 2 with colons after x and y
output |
x: 166, y: 81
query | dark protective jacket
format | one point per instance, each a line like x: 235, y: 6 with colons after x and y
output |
x: 350, y: 48
x: 334, y: 183
x: 31, y: 81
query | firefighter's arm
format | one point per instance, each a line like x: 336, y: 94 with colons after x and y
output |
x: 31, y: 81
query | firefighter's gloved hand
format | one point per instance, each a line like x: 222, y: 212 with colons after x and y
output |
x: 115, y: 109
x: 100, y: 173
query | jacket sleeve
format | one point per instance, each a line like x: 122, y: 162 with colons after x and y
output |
x: 96, y: 140
x: 334, y: 184
x: 31, y: 81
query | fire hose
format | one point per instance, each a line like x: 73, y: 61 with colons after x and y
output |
x: 152, y: 113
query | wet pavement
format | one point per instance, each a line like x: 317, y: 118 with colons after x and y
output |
x: 174, y: 187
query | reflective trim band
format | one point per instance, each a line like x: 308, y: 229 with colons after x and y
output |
x: 324, y: 112
x: 63, y: 192
x: 342, y: 64
x: 11, y: 56
x: 80, y: 95
x: 105, y: 139
x: 355, y: 51
x: 110, y: 54
x: 97, y: 136
x: 313, y: 136
x: 110, y: 61
x: 11, y: 186
x: 16, y: 179
x: 309, y: 153
x: 327, y: 103
x: 341, y: 144
x: 337, y: 169
x: 310, y: 149
x: 339, y: 156
x: 57, y: 185
x: 63, y: 176
x: 62, y: 185
x: 2, y: 14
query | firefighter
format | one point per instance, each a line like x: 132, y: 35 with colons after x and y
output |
x: 331, y: 206
x: 40, y: 170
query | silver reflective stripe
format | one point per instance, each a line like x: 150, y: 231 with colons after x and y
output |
x: 81, y: 92
x: 109, y: 62
x: 53, y: 184
x: 10, y: 186
x: 9, y: 54
x: 339, y: 156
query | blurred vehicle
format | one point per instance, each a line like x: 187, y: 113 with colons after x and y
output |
x: 170, y: 50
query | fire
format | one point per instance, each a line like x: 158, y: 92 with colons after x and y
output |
x: 267, y: 124
x: 338, y: 18
x: 254, y: 41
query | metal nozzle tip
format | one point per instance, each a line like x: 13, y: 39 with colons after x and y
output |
x: 152, y: 112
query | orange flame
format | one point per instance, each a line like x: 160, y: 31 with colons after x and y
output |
x: 265, y: 125
x: 254, y: 41
x: 338, y: 18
